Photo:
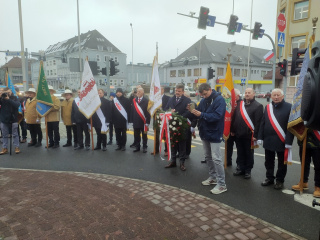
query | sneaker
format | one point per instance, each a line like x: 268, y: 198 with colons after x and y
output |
x: 218, y: 189
x: 17, y: 150
x: 209, y: 181
x: 4, y: 151
x: 297, y: 187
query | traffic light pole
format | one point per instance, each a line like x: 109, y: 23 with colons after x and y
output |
x: 108, y: 75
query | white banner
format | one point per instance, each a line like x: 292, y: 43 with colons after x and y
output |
x: 155, y: 89
x: 89, y: 97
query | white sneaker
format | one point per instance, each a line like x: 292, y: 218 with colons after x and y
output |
x: 209, y: 181
x: 218, y: 189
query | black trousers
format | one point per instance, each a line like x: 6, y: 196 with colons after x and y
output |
x: 72, y: 130
x: 181, y: 147
x: 269, y: 164
x: 83, y: 127
x: 188, y: 143
x: 313, y: 154
x: 137, y: 137
x: 101, y: 138
x: 121, y: 136
x: 35, y: 132
x: 53, y: 133
x: 230, y: 142
x: 23, y: 126
x: 245, y: 154
x: 110, y: 131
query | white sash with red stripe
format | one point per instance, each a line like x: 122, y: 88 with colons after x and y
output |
x: 141, y: 114
x: 249, y: 123
x: 121, y: 109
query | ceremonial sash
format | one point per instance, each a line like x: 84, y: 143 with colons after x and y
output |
x: 249, y: 123
x: 141, y: 114
x: 165, y: 118
x: 77, y: 101
x: 121, y: 109
x: 317, y: 133
x: 104, y: 126
x: 276, y: 126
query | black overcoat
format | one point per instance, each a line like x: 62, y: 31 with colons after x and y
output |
x: 106, y: 110
x: 135, y: 117
x: 117, y: 119
x: 180, y: 107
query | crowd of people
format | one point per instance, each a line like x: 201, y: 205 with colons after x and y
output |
x: 251, y: 126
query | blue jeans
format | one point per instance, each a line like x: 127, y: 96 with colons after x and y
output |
x: 5, y: 127
x: 212, y: 154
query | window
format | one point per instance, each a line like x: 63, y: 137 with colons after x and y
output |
x: 237, y: 72
x: 181, y: 73
x: 115, y: 81
x: 50, y: 72
x: 173, y: 73
x: 47, y: 63
x: 244, y: 72
x: 106, y: 58
x: 122, y: 82
x: 189, y: 72
x: 54, y: 71
x: 116, y: 59
x: 196, y: 72
x: 255, y: 71
x: 293, y: 81
x: 109, y: 49
x: 54, y: 62
x: 100, y: 48
x: 263, y: 73
x: 98, y: 58
x: 220, y: 71
x: 298, y: 42
x: 301, y: 10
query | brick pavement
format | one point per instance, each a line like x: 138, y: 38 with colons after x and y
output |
x: 69, y: 205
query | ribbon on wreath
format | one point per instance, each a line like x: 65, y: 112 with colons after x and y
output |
x: 165, y: 130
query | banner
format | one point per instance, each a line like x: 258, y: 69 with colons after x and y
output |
x: 44, y: 100
x: 89, y: 97
x: 230, y: 98
x: 155, y: 98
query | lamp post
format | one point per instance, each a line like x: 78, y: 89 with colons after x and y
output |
x: 132, y: 55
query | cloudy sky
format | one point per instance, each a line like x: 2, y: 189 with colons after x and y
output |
x: 50, y: 21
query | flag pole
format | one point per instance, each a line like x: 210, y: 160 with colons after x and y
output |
x: 303, y: 160
x: 46, y: 131
x: 91, y: 130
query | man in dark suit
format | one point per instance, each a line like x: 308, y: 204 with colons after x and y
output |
x: 165, y: 98
x: 140, y: 117
x: 120, y: 116
x: 178, y: 104
x: 97, y: 123
x: 275, y: 137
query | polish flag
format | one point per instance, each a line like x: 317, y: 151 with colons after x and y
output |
x: 269, y: 55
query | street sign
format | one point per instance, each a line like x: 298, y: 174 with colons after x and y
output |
x: 281, y: 22
x: 12, y: 53
x: 243, y: 81
x: 281, y: 38
x: 261, y: 33
x: 239, y: 27
x: 211, y: 21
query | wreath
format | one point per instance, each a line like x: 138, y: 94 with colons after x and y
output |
x: 177, y: 127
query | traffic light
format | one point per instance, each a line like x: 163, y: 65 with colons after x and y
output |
x: 296, y: 60
x: 210, y: 73
x: 310, y: 102
x: 256, y: 30
x: 232, y: 26
x: 113, y: 69
x: 203, y: 18
x: 104, y: 71
x: 283, y: 67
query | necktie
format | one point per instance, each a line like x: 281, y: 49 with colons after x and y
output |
x: 139, y: 99
x: 177, y: 100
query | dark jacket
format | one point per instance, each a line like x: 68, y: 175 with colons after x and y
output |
x: 165, y: 100
x: 118, y: 120
x: 76, y: 115
x: 180, y: 107
x: 106, y: 110
x: 239, y: 126
x: 9, y: 110
x: 135, y: 117
x: 271, y: 140
x: 211, y: 120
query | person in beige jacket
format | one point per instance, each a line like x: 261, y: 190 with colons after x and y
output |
x: 33, y: 118
x: 53, y: 118
x: 66, y: 109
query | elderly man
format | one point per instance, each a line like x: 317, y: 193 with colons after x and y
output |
x: 66, y: 109
x: 140, y: 117
x: 210, y: 112
x: 245, y: 126
x: 275, y: 138
x: 53, y: 118
x: 33, y: 119
x: 112, y: 96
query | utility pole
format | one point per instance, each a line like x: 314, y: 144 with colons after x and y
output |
x: 23, y: 65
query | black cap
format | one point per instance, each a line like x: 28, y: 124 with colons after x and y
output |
x: 119, y: 90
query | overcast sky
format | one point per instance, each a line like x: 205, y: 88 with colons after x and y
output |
x: 46, y: 22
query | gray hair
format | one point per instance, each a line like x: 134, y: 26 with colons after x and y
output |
x: 236, y: 92
x: 141, y: 89
x: 278, y: 90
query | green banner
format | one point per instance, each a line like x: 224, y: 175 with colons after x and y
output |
x: 43, y: 93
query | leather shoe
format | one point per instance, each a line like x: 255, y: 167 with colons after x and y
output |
x: 31, y: 144
x: 171, y: 165
x: 123, y: 148
x: 144, y: 150
x: 203, y: 161
x: 104, y: 149
x: 109, y: 143
x: 182, y: 167
x: 97, y: 148
x: 267, y: 182
x: 67, y: 145
x: 87, y: 148
x: 49, y: 146
x: 78, y: 148
x: 136, y: 150
x: 278, y: 185
x: 238, y: 173
x: 56, y: 146
x: 118, y: 148
x: 247, y: 176
x: 133, y: 145
x: 39, y: 144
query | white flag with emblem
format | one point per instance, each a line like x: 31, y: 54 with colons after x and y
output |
x: 155, y: 98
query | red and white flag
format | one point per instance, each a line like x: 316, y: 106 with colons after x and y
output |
x: 155, y: 98
x: 269, y: 55
x: 89, y: 97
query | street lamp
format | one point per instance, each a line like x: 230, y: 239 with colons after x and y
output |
x: 132, y: 55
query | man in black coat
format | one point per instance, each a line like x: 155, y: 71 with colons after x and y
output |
x: 82, y: 125
x: 140, y: 117
x: 246, y: 136
x: 273, y: 142
x: 105, y: 109
x: 121, y: 107
x: 178, y: 104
